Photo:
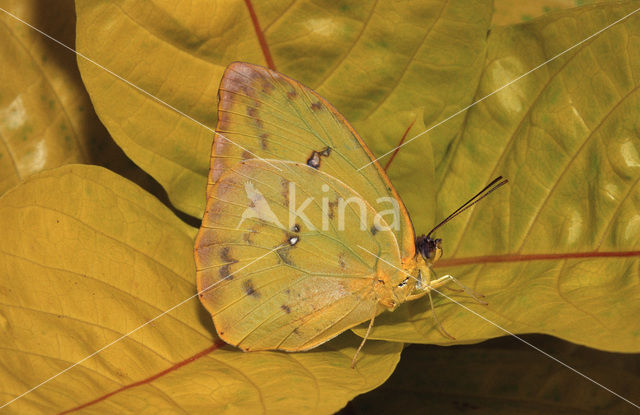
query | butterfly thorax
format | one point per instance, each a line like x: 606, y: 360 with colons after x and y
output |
x: 393, y: 289
x: 413, y: 281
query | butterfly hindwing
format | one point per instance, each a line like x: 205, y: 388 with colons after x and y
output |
x: 316, y: 284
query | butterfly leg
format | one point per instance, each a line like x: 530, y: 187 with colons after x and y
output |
x: 430, y: 286
x: 366, y: 335
x: 425, y: 287
x: 437, y: 320
x: 440, y: 282
x: 465, y: 289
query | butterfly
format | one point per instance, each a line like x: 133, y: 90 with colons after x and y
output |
x: 303, y: 235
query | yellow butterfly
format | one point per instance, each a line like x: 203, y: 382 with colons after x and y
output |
x: 298, y: 242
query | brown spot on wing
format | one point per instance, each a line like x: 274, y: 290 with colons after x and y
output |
x: 247, y: 91
x: 252, y: 112
x: 224, y: 271
x: 316, y: 106
x: 285, y: 308
x: 332, y: 208
x: 248, y: 234
x: 315, y: 158
x: 249, y: 289
x: 292, y: 94
x: 263, y: 140
x: 284, y: 183
x: 341, y: 262
x: 225, y: 255
x: 267, y: 87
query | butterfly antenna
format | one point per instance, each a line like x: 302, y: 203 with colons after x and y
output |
x: 366, y: 335
x: 495, y: 184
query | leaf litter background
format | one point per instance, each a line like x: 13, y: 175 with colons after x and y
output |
x: 87, y: 256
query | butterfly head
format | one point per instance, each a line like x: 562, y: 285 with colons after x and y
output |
x: 430, y: 249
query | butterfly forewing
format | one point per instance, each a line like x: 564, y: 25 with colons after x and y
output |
x: 271, y: 116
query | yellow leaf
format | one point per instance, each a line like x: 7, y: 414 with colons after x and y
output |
x: 46, y: 118
x: 557, y: 250
x: 87, y: 257
x: 511, y: 12
x: 370, y: 59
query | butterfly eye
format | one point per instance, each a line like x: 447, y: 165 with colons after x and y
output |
x: 403, y: 283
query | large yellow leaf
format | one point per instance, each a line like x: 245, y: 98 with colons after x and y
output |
x: 46, y: 118
x: 42, y: 106
x: 557, y: 250
x: 85, y: 258
x: 372, y: 59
